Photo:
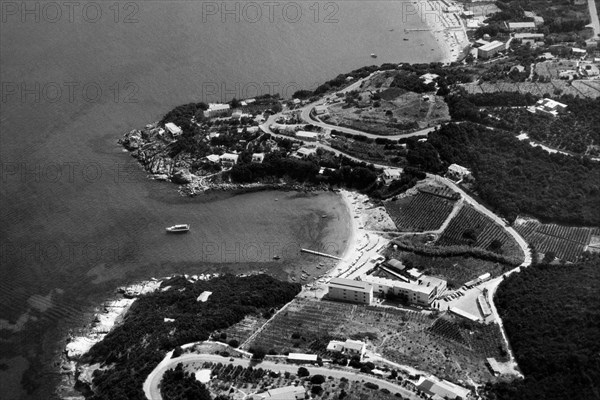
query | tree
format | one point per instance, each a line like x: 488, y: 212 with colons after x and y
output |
x: 303, y: 372
x: 258, y: 353
x: 317, y: 379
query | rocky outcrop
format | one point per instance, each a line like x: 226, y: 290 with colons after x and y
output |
x: 182, y: 176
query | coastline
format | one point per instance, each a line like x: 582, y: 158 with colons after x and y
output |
x: 447, y: 27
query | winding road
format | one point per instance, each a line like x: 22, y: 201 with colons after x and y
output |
x: 152, y: 390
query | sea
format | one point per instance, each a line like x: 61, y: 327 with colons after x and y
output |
x: 78, y: 216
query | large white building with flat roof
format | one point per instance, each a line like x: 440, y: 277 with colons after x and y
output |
x: 308, y: 136
x: 421, y: 292
x: 350, y: 290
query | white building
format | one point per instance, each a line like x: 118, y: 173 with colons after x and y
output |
x: 320, y: 110
x: 490, y: 49
x: 433, y: 386
x: 282, y: 393
x: 307, y: 136
x: 229, y: 158
x: 305, y: 152
x: 391, y: 174
x: 549, y: 107
x: 521, y: 26
x: 421, y: 292
x: 458, y: 173
x: 302, y: 357
x: 352, y: 347
x: 429, y: 78
x: 173, y: 129
x: 258, y: 158
x: 216, y: 109
x: 350, y: 290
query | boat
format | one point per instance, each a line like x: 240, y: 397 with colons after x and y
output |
x: 373, y: 55
x: 276, y: 257
x: 324, y: 216
x: 406, y: 39
x: 180, y: 228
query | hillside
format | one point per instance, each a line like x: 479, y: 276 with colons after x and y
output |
x: 515, y: 178
x: 551, y: 314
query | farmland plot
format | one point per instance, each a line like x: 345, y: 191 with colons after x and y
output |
x: 470, y: 227
x: 422, y: 212
x: 402, y: 336
x: 566, y: 242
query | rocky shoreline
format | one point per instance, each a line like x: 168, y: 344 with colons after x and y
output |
x: 77, y: 376
x: 151, y: 147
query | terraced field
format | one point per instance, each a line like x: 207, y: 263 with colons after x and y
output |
x: 471, y: 228
x: 566, y: 242
x: 419, y: 213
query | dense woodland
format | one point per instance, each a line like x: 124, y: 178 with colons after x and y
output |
x: 514, y: 177
x: 133, y: 349
x: 573, y: 131
x: 551, y: 314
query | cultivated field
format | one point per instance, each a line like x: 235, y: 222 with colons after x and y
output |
x: 422, y: 212
x: 566, y: 242
x: 402, y: 336
x: 582, y: 88
x: 470, y: 227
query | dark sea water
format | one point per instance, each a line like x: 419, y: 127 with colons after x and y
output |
x: 79, y: 218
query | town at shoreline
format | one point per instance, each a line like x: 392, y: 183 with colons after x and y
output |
x: 438, y: 234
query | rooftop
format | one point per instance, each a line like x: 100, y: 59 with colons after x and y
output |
x: 342, y: 283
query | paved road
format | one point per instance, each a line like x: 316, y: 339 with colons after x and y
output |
x: 595, y: 23
x: 152, y: 390
x: 306, y: 117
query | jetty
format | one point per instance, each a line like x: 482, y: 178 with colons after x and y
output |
x: 318, y: 253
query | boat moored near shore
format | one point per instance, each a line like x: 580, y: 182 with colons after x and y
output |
x: 180, y: 228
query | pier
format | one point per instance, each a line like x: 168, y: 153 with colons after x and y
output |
x: 318, y: 253
x: 407, y: 30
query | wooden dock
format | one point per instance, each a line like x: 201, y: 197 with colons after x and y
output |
x: 318, y: 253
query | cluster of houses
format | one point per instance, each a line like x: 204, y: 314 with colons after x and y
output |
x: 548, y: 107
x: 389, y: 278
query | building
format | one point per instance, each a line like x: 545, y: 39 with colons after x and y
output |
x: 350, y: 290
x: 521, y: 26
x: 391, y: 174
x: 173, y: 129
x: 320, y: 110
x: 422, y: 292
x: 216, y: 109
x: 204, y: 296
x: 494, y: 366
x: 490, y: 49
x: 464, y: 314
x: 258, y: 158
x: 302, y: 357
x: 282, y: 393
x: 589, y: 70
x: 305, y: 152
x: 229, y: 158
x: 307, y: 136
x: 458, y: 173
x: 429, y: 78
x: 525, y: 36
x: 433, y: 386
x: 394, y: 264
x: 484, y: 308
x: 549, y: 107
x: 350, y: 347
x: 247, y: 102
x: 213, y: 158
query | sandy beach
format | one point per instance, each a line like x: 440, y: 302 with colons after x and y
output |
x: 444, y: 21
